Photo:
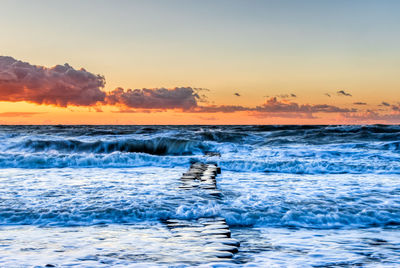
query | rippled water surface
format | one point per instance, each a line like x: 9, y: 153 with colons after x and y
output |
x: 98, y: 196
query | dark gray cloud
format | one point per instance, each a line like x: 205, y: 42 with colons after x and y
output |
x: 236, y: 94
x: 60, y: 85
x: 343, y: 93
x: 63, y: 86
x: 184, y: 98
x: 359, y: 103
x: 384, y: 104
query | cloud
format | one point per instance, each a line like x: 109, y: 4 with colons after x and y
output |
x: 18, y: 114
x: 285, y: 96
x: 125, y: 110
x: 343, y: 93
x: 396, y: 108
x: 60, y: 85
x: 284, y: 115
x: 221, y: 109
x: 184, y: 98
x: 275, y: 107
x: 63, y: 86
x: 370, y: 116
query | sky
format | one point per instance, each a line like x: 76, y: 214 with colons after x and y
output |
x: 199, y: 62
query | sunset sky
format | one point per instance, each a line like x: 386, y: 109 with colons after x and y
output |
x: 199, y: 62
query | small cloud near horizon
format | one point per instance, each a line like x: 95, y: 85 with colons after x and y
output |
x: 285, y: 96
x: 343, y: 93
x: 273, y: 106
x: 373, y: 116
x: 384, y: 104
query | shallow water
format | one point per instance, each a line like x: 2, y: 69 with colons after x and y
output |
x: 293, y: 196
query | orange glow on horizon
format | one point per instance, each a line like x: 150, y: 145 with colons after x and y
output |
x: 19, y: 113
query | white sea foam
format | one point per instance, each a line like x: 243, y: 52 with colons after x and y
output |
x: 98, y: 196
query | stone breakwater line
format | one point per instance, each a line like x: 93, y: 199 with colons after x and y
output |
x: 210, y: 236
x: 202, y: 176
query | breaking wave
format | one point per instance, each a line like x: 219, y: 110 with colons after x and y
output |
x: 124, y: 160
x: 298, y: 215
x: 272, y: 149
x: 155, y: 146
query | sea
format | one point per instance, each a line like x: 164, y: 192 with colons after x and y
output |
x: 292, y: 196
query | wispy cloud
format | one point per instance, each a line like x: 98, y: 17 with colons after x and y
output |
x: 371, y: 116
x: 273, y: 105
x: 359, y: 103
x: 276, y: 107
x: 343, y: 93
x: 384, y: 104
x: 286, y: 96
x: 221, y: 109
x: 396, y: 108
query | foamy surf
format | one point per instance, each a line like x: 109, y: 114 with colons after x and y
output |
x: 103, y: 195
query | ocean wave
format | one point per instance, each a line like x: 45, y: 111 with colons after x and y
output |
x: 111, y: 160
x: 294, y: 166
x: 154, y: 146
x: 290, y: 165
x: 276, y: 149
x: 315, y: 218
